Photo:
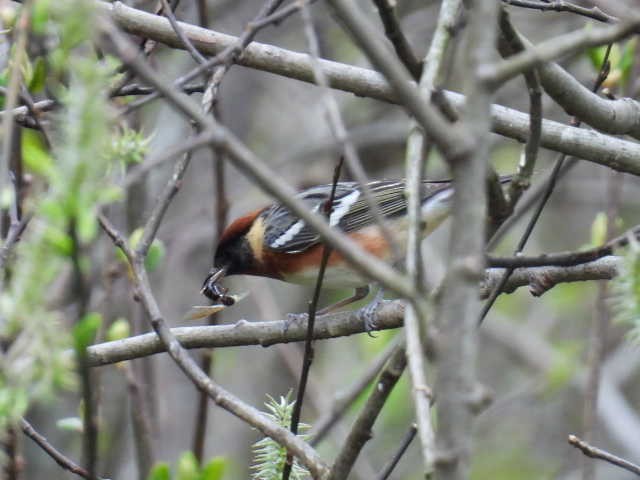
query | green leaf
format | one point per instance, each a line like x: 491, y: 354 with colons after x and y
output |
x: 87, y: 224
x: 188, y: 467
x: 110, y: 194
x: 135, y: 237
x: 35, y: 154
x: 214, y: 469
x: 53, y: 211
x: 160, y: 471
x: 627, y: 59
x: 40, y: 16
x: 155, y: 255
x: 61, y: 243
x: 118, y: 330
x: 85, y: 331
x: 38, y: 77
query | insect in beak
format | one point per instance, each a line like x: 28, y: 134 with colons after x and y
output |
x: 213, y: 290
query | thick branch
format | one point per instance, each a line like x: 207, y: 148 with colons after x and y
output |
x: 615, y: 153
x: 556, y: 47
x: 389, y: 315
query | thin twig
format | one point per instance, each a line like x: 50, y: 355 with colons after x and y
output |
x: 402, y: 448
x: 220, y: 214
x: 598, y: 331
x: 242, y: 157
x: 313, y: 307
x: 452, y: 140
x: 344, y: 399
x: 417, y: 152
x: 563, y: 6
x: 11, y: 98
x: 211, y: 92
x: 65, y: 462
x: 13, y: 462
x: 168, y: 12
x: 307, y: 455
x: 549, y: 50
x: 548, y: 191
x: 179, y: 354
x: 140, y: 423
x: 522, y: 178
x: 395, y: 34
x: 339, y: 131
x: 565, y: 259
x: 361, y: 430
x: 611, y: 116
x: 593, y: 452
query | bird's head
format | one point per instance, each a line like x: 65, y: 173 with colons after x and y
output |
x: 235, y: 255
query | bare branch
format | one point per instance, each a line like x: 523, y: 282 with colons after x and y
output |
x: 549, y: 50
x: 62, y: 460
x: 562, y: 6
x: 457, y: 305
x: 416, y: 153
x: 342, y: 400
x: 393, y: 31
x: 389, y: 315
x: 246, y: 161
x: 402, y: 448
x: 452, y: 140
x: 593, y: 452
x: 366, y: 83
x: 361, y: 431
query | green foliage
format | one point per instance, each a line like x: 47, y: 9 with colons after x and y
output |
x: 160, y: 471
x: 118, y: 330
x: 155, y: 255
x: 37, y: 159
x: 71, y: 182
x: 85, y: 331
x: 187, y: 468
x: 599, y: 230
x: 270, y: 456
x: 625, y: 298
x: 128, y: 146
x: 621, y: 59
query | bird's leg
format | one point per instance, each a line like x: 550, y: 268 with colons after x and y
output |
x: 358, y: 294
x: 368, y: 313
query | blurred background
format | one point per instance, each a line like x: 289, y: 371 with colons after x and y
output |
x: 533, y: 351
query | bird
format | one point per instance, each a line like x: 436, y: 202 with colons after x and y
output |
x: 273, y: 242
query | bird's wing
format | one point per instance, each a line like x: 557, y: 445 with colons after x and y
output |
x: 287, y: 233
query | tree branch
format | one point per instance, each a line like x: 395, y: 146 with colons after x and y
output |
x: 389, y: 315
x: 593, y: 452
x: 361, y: 431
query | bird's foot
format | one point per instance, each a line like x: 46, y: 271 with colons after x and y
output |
x: 368, y: 313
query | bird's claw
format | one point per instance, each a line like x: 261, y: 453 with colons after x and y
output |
x: 367, y: 314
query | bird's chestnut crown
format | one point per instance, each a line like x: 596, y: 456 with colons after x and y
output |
x: 234, y: 255
x: 234, y: 252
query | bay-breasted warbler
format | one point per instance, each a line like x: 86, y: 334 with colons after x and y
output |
x: 272, y: 242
